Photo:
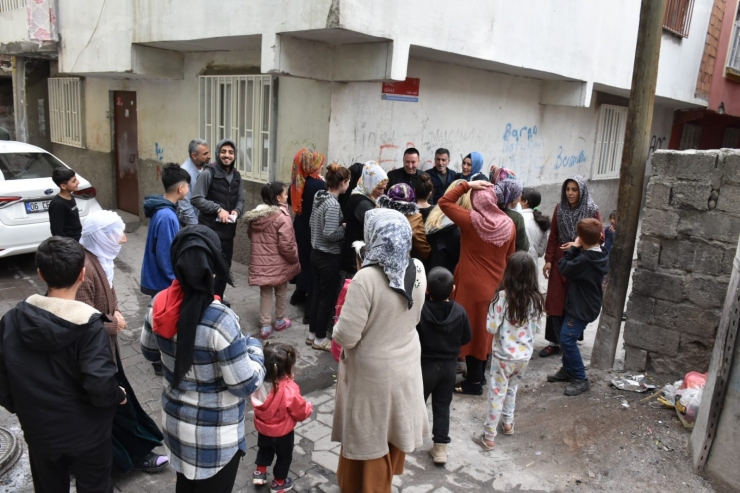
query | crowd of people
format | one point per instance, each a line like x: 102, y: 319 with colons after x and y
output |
x: 409, y: 278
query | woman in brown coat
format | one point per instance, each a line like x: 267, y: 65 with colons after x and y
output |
x: 273, y: 258
x: 134, y: 433
x: 488, y: 239
x: 401, y: 198
x: 575, y: 204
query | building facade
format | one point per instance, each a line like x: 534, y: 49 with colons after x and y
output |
x: 541, y: 88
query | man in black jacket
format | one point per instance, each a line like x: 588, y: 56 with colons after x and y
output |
x: 442, y: 176
x: 219, y: 196
x: 443, y: 328
x: 57, y: 374
x: 409, y: 174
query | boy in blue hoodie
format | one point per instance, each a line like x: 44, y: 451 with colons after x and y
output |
x: 585, y: 264
x: 156, y: 269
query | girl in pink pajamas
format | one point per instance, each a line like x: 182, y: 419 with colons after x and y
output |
x: 514, y: 317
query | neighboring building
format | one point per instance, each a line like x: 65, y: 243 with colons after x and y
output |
x: 718, y: 85
x: 539, y: 87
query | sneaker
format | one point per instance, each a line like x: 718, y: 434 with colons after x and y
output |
x: 279, y: 488
x: 259, y: 478
x: 549, y: 351
x: 439, y: 453
x: 265, y: 332
x: 560, y: 376
x: 158, y: 369
x: 282, y: 325
x: 577, y: 387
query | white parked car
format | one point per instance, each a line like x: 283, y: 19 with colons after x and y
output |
x: 26, y: 189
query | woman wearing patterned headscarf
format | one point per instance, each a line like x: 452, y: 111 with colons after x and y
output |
x: 499, y: 173
x: 575, y: 204
x: 487, y: 241
x: 508, y: 193
x: 135, y: 435
x: 401, y: 198
x: 379, y: 414
x: 370, y: 186
x: 471, y: 167
x: 305, y: 181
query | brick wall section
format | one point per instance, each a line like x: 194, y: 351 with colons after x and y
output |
x: 704, y: 81
x: 690, y: 230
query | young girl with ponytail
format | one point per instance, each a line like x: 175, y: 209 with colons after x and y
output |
x: 536, y: 223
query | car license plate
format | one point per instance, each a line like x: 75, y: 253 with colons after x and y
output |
x: 38, y: 206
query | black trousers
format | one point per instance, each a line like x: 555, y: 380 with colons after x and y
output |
x: 553, y: 324
x: 227, y: 247
x: 476, y: 369
x: 270, y: 447
x: 91, y: 468
x: 221, y: 482
x: 439, y: 382
x: 325, y: 287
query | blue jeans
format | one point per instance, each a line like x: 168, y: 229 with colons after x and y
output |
x: 571, y: 331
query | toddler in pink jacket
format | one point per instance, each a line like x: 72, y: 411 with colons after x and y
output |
x: 273, y: 260
x: 278, y: 406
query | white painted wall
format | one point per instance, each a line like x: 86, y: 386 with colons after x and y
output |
x: 468, y: 110
x: 13, y: 26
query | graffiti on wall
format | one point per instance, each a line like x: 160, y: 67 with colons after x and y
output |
x: 656, y: 143
x: 159, y: 151
x: 522, y: 151
x: 565, y: 160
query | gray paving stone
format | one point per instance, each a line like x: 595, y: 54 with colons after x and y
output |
x: 327, y: 460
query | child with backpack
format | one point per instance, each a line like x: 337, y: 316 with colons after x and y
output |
x: 278, y: 406
x: 514, y: 317
x: 273, y: 259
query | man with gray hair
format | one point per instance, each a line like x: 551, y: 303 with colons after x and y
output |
x: 200, y: 155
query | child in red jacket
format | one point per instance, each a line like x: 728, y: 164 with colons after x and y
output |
x: 278, y: 406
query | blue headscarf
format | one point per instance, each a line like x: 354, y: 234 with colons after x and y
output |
x: 476, y: 159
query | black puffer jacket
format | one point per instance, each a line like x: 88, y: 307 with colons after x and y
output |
x: 57, y: 374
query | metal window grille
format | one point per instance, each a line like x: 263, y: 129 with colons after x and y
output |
x: 8, y: 5
x: 65, y: 111
x: 690, y: 136
x: 240, y: 108
x: 733, y: 62
x: 677, y: 18
x: 731, y: 138
x: 609, y: 141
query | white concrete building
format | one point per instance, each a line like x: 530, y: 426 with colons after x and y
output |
x: 539, y: 87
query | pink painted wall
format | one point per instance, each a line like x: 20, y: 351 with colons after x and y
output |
x: 723, y: 89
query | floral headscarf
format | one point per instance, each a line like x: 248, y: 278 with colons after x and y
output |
x: 401, y: 192
x: 499, y: 174
x: 568, y: 218
x: 507, y: 191
x: 400, y: 198
x: 372, y: 176
x: 388, y: 243
x: 490, y: 222
x: 101, y: 236
x: 305, y: 164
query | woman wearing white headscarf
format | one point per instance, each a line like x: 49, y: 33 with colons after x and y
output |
x: 134, y: 432
x: 380, y: 414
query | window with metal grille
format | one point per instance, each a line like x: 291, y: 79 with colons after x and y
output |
x: 8, y: 5
x: 239, y: 108
x: 690, y: 136
x: 733, y: 61
x: 65, y: 111
x: 609, y: 141
x: 677, y: 19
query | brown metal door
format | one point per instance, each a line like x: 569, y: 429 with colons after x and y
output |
x: 127, y: 150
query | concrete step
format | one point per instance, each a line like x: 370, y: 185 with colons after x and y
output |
x: 131, y: 221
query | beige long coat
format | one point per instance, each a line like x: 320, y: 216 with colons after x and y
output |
x: 380, y: 394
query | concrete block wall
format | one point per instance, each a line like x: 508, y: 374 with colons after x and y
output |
x: 690, y: 229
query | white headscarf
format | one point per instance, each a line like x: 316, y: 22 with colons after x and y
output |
x: 101, y: 236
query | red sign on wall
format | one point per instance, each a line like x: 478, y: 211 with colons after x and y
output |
x: 407, y: 90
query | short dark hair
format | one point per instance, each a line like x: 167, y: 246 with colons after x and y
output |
x: 60, y: 261
x: 61, y: 176
x: 613, y: 215
x: 440, y: 283
x: 172, y: 175
x: 589, y: 230
x: 441, y: 151
x: 411, y: 150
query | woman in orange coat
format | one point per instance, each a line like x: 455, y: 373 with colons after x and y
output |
x: 487, y: 240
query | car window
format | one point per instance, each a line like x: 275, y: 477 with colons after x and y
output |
x: 28, y: 165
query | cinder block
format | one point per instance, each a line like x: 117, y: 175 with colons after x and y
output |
x: 729, y: 199
x: 659, y: 285
x: 658, y: 194
x: 677, y: 254
x: 728, y: 259
x: 730, y: 166
x: 691, y: 195
x: 708, y: 292
x: 651, y: 338
x: 640, y: 309
x: 699, y: 166
x: 708, y: 259
x: 635, y: 359
x: 664, y: 163
x: 648, y: 253
x: 686, y: 318
x: 711, y: 225
x: 660, y: 223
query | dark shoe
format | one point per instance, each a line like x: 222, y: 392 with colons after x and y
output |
x: 279, y: 488
x: 259, y: 478
x: 560, y: 376
x: 154, y: 463
x: 549, y: 351
x: 306, y: 320
x: 469, y: 388
x: 577, y: 387
x: 226, y: 303
x: 298, y: 297
x: 158, y: 369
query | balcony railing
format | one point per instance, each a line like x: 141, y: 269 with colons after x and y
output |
x: 8, y: 5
